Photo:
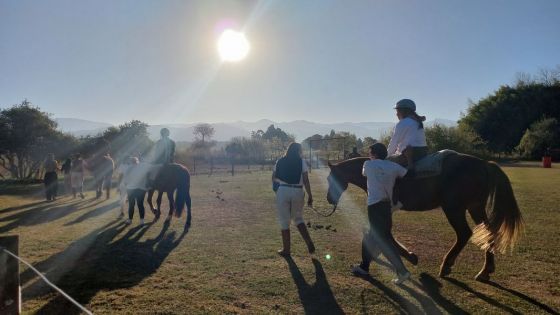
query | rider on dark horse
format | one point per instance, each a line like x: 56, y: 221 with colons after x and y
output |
x: 164, y: 151
x: 408, y: 142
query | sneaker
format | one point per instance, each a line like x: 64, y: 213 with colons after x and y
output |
x: 128, y: 221
x: 401, y: 278
x: 141, y: 221
x: 357, y: 270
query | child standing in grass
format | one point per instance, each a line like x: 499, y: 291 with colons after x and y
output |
x: 381, y: 175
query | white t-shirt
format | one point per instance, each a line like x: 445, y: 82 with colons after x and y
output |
x: 304, y: 169
x: 136, y: 175
x: 381, y: 176
x: 406, y: 134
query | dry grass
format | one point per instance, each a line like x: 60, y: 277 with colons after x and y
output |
x: 226, y: 263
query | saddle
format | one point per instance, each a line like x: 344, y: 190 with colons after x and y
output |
x: 431, y: 164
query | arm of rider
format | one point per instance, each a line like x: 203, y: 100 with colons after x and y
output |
x: 305, y: 178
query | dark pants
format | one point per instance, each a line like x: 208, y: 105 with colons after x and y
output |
x: 51, y: 185
x: 379, y: 236
x: 418, y: 153
x: 136, y: 196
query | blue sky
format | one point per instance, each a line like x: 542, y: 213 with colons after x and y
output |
x: 324, y: 61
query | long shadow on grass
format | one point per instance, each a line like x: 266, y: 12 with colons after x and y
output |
x: 92, y: 214
x: 431, y: 286
x: 398, y: 301
x: 114, y: 265
x: 46, y: 212
x: 20, y: 207
x: 317, y: 298
x: 482, y: 296
x: 520, y: 295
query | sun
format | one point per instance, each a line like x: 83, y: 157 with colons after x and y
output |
x: 233, y: 46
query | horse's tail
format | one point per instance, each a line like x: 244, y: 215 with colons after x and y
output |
x: 505, y: 223
x: 183, y: 191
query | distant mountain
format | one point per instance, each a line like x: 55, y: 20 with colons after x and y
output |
x: 81, y: 127
x: 301, y: 129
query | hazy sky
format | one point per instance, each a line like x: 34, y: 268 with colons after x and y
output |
x: 325, y: 61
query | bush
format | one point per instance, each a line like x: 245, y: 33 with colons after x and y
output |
x: 542, y: 135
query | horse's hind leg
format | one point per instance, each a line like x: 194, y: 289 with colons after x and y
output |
x: 478, y: 214
x: 171, y: 205
x: 457, y: 219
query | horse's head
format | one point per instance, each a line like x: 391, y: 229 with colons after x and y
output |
x: 337, y: 185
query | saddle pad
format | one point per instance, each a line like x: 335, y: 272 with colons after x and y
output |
x: 431, y: 164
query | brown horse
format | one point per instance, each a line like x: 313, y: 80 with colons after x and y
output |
x: 465, y: 183
x: 172, y: 177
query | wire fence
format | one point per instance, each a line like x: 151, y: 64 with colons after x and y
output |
x: 21, y: 260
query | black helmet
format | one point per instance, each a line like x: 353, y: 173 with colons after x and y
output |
x: 164, y: 132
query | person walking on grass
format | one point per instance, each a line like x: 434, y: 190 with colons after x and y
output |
x: 51, y: 178
x: 66, y: 169
x: 77, y: 175
x: 121, y: 170
x: 135, y: 178
x: 291, y: 173
x: 381, y: 175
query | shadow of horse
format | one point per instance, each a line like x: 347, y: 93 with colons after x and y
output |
x: 105, y: 264
x: 317, y: 298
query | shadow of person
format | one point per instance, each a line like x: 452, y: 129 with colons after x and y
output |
x: 112, y: 265
x: 431, y: 286
x: 527, y: 298
x: 402, y: 304
x: 44, y: 213
x: 94, y: 213
x: 317, y: 298
x: 482, y: 296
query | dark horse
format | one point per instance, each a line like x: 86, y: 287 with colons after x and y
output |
x: 172, y: 177
x: 465, y: 183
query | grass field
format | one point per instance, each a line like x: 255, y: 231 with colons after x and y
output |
x: 227, y: 262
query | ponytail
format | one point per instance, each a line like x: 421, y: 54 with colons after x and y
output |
x: 419, y: 119
x: 412, y: 114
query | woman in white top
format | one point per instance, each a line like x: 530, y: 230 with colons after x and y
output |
x: 408, y: 143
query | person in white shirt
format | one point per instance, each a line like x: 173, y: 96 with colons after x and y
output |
x: 290, y: 172
x: 381, y: 175
x: 408, y: 142
x: 121, y: 170
x: 135, y: 178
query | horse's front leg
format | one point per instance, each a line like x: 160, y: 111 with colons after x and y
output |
x: 171, y: 204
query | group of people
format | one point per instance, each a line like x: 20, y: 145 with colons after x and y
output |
x: 73, y: 170
x: 134, y: 177
x: 407, y: 145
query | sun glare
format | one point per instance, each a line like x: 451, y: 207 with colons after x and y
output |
x: 233, y: 46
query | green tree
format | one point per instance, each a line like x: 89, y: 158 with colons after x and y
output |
x: 541, y: 135
x: 27, y: 135
x: 502, y: 118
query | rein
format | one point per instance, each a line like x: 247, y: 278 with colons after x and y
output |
x: 322, y: 214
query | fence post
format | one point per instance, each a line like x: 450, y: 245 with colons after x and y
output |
x: 10, y: 299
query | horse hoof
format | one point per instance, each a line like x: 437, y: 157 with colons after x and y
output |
x: 444, y: 271
x: 413, y: 259
x: 482, y: 277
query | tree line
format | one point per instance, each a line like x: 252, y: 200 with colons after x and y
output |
x: 517, y: 120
